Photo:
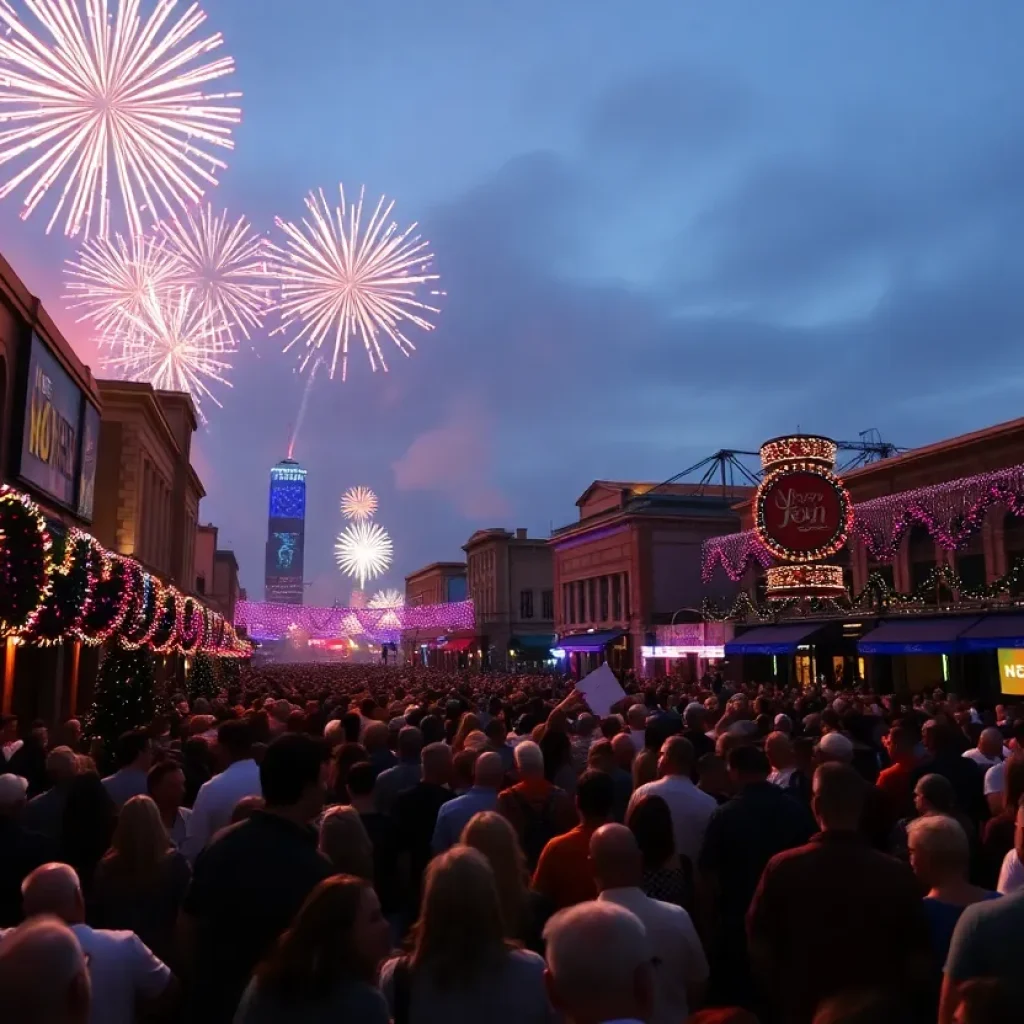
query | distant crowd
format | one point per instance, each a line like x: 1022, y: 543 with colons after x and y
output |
x: 368, y: 844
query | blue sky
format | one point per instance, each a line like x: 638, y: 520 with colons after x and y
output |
x: 664, y: 228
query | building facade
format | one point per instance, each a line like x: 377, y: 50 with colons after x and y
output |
x: 437, y: 583
x: 511, y: 583
x: 286, y: 534
x: 216, y: 573
x: 631, y: 563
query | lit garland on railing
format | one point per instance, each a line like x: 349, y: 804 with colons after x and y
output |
x: 951, y: 512
x: 93, y: 595
x: 797, y: 580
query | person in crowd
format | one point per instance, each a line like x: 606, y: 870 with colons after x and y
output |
x: 468, y: 723
x: 583, y: 737
x: 778, y: 748
x: 988, y: 943
x: 45, y: 812
x: 453, y: 815
x: 87, y: 827
x: 345, y: 843
x: 713, y: 773
x: 217, y: 798
x: 246, y: 808
x: 636, y: 724
x: 388, y: 879
x: 124, y: 975
x: 21, y: 849
x: 323, y: 968
x: 43, y: 975
x: 404, y: 775
x: 415, y: 812
x: 462, y: 969
x: 645, y: 764
x: 166, y: 784
x: 681, y: 968
x: 537, y: 809
x: 376, y: 739
x: 134, y: 754
x: 1011, y: 874
x: 695, y: 729
x: 10, y: 744
x: 249, y: 883
x: 624, y: 751
x: 944, y: 758
x: 896, y: 782
x: 141, y: 881
x: 196, y: 764
x: 559, y: 770
x: 810, y: 936
x: 345, y: 756
x: 522, y: 910
x: 565, y: 873
x: 667, y: 876
x: 600, y: 965
x: 601, y: 758
x: 691, y: 809
x: 989, y: 751
x: 743, y: 835
x: 940, y: 857
x: 998, y: 835
x: 497, y: 740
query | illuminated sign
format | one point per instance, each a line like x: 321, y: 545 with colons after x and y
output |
x: 1011, y: 670
x: 60, y: 434
x: 680, y: 651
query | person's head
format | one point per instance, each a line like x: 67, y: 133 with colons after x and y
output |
x: 334, y: 733
x: 747, y: 765
x: 636, y: 717
x: 713, y: 774
x: 624, y: 751
x: 595, y: 797
x: 601, y: 757
x: 463, y: 767
x: 1013, y: 783
x: 488, y: 772
x: 650, y: 821
x: 496, y: 733
x: 368, y: 708
x: 54, y: 889
x: 292, y: 776
x: 611, y: 726
x: 900, y: 742
x: 376, y: 737
x: 140, y: 840
x: 990, y: 743
x: 234, y: 738
x: 338, y: 934
x: 495, y: 838
x: 13, y: 794
x: 351, y: 726
x: 436, y: 761
x: 838, y: 797
x: 61, y: 765
x: 599, y: 964
x: 616, y: 857
x: 933, y: 794
x: 460, y: 934
x: 783, y: 724
x: 937, y: 736
x: 778, y: 748
x: 432, y: 727
x: 695, y: 717
x: 44, y: 976
x: 246, y: 808
x: 676, y: 757
x: 556, y: 747
x: 939, y: 849
x: 362, y: 780
x: 345, y: 842
x: 410, y: 743
x: 345, y: 756
x: 586, y: 724
x: 166, y: 785
x: 134, y: 750
x: 529, y: 760
x: 834, y: 748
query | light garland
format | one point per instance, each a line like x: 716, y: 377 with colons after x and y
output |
x: 798, y: 448
x: 787, y: 581
x: 25, y: 576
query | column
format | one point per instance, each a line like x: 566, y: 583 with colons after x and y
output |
x: 858, y: 564
x: 901, y: 566
x: 994, y: 543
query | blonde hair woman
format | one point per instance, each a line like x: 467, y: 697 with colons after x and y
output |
x: 467, y: 723
x: 496, y: 839
x: 345, y: 843
x: 462, y: 968
x: 140, y: 883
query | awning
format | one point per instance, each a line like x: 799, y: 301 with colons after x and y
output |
x: 589, y: 641
x: 993, y: 631
x: 460, y: 644
x: 782, y: 639
x: 534, y: 641
x: 917, y: 636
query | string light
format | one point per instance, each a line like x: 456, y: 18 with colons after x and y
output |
x: 786, y: 581
x: 798, y: 448
x: 25, y: 565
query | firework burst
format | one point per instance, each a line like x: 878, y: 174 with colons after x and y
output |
x: 174, y: 343
x: 358, y: 503
x: 387, y: 599
x: 224, y: 263
x: 93, y: 98
x: 363, y: 550
x: 342, y: 278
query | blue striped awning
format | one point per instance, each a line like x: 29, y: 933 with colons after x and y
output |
x: 994, y: 631
x: 596, y: 641
x: 917, y: 636
x: 782, y: 639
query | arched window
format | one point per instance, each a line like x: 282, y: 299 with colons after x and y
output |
x: 970, y: 562
x: 921, y: 556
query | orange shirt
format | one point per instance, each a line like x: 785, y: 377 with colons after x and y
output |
x: 565, y: 874
x: 894, y: 782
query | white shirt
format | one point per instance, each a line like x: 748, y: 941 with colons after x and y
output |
x: 691, y: 810
x: 995, y: 779
x: 681, y: 962
x: 1011, y: 874
x: 121, y: 968
x: 216, y: 801
x: 983, y: 760
x: 638, y: 736
x: 782, y: 778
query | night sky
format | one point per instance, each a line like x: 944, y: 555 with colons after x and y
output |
x: 665, y: 227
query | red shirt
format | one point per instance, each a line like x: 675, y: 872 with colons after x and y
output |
x: 565, y: 874
x: 895, y: 783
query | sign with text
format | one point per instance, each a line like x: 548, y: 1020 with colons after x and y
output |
x: 1011, y: 670
x: 800, y: 513
x: 51, y: 447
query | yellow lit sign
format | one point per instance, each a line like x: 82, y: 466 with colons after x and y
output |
x: 1011, y: 670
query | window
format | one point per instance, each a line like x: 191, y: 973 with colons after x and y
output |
x: 592, y: 600
x: 200, y: 584
x: 526, y: 604
x: 616, y: 597
x: 603, y: 588
x: 566, y: 603
x: 547, y: 604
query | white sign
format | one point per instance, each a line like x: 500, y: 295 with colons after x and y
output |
x: 601, y: 690
x: 680, y: 651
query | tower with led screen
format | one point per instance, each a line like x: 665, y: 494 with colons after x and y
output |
x: 286, y: 533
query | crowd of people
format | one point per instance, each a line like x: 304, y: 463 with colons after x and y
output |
x: 370, y: 844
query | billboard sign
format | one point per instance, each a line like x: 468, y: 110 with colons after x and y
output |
x: 1011, y: 670
x: 284, y: 553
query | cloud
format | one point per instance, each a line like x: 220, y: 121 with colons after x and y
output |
x: 455, y: 460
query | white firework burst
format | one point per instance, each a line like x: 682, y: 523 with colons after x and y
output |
x: 95, y: 100
x: 358, y: 503
x: 363, y: 550
x: 388, y: 599
x: 224, y: 263
x: 341, y: 278
x: 175, y: 344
